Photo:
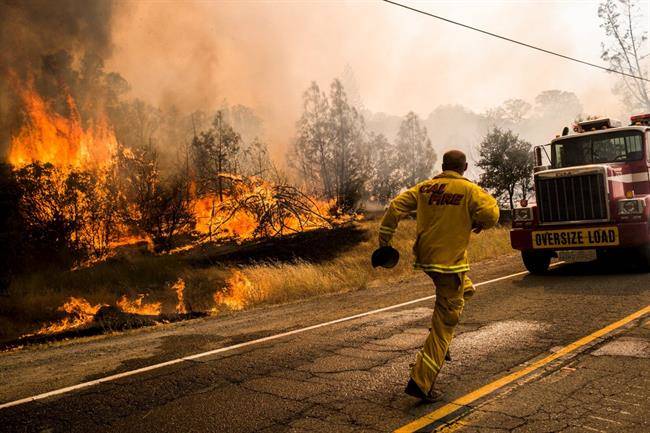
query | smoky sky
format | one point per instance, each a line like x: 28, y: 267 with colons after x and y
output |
x: 199, y: 55
x: 31, y: 28
x: 265, y: 54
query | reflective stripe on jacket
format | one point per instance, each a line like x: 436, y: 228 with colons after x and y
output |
x: 447, y: 206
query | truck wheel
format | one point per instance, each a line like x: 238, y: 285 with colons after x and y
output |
x: 537, y: 262
x: 603, y: 255
x: 644, y: 258
x: 614, y: 257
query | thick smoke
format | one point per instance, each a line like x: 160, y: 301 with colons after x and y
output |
x: 195, y: 55
x: 32, y: 29
x: 192, y: 55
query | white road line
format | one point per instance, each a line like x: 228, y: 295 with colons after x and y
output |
x: 233, y: 347
x: 592, y: 429
x: 622, y: 402
x: 604, y: 419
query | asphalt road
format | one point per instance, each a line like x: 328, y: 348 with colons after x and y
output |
x: 349, y: 376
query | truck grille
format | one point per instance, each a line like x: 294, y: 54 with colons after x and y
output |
x: 575, y: 198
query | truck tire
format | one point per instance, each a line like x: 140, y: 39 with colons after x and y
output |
x: 537, y: 262
x: 615, y: 258
x: 643, y: 254
x: 604, y: 255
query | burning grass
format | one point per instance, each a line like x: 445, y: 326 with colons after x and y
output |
x: 137, y: 306
x: 182, y: 285
x: 238, y: 292
x: 78, y: 312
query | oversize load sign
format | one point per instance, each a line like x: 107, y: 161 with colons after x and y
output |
x: 592, y: 237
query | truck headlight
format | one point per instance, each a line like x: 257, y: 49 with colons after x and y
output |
x: 632, y: 206
x: 522, y: 214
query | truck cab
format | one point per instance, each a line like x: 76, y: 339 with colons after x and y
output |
x: 594, y: 194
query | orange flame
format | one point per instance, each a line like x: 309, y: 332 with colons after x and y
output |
x: 80, y: 312
x: 48, y: 136
x: 132, y: 240
x: 138, y: 307
x: 210, y: 219
x: 179, y: 288
x: 238, y: 292
x: 222, y: 220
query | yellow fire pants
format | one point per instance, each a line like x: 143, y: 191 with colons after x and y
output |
x: 451, y: 292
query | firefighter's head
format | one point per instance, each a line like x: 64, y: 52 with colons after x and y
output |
x: 454, y: 160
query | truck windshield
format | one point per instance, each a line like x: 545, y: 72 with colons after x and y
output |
x: 618, y: 146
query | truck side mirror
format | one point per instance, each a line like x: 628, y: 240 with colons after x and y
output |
x: 538, y: 156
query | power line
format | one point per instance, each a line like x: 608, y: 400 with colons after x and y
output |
x: 553, y: 53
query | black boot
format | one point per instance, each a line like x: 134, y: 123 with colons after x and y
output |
x: 414, y: 390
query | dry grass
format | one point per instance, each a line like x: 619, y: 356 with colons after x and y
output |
x: 33, y: 299
x: 281, y: 282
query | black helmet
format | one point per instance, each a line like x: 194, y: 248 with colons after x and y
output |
x: 386, y: 257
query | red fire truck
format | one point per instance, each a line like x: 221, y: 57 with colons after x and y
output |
x: 592, y: 196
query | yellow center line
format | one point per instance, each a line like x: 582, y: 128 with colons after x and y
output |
x: 459, y: 403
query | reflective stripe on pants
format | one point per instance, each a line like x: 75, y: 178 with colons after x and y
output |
x: 450, y: 293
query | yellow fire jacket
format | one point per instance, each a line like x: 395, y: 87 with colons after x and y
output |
x: 447, y: 206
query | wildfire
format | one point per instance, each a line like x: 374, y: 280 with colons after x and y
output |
x: 179, y: 288
x: 259, y: 208
x: 238, y: 292
x: 79, y: 311
x: 49, y: 137
x: 85, y: 187
x: 138, y: 307
x: 248, y: 208
x: 132, y: 240
x: 211, y: 220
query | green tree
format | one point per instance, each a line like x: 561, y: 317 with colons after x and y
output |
x: 385, y: 177
x: 348, y: 149
x: 330, y: 151
x: 311, y: 153
x: 215, y: 152
x: 416, y: 156
x: 507, y: 165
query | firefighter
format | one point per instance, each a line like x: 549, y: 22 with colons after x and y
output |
x: 448, y: 207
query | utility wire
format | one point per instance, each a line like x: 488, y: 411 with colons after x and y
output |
x: 553, y: 53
